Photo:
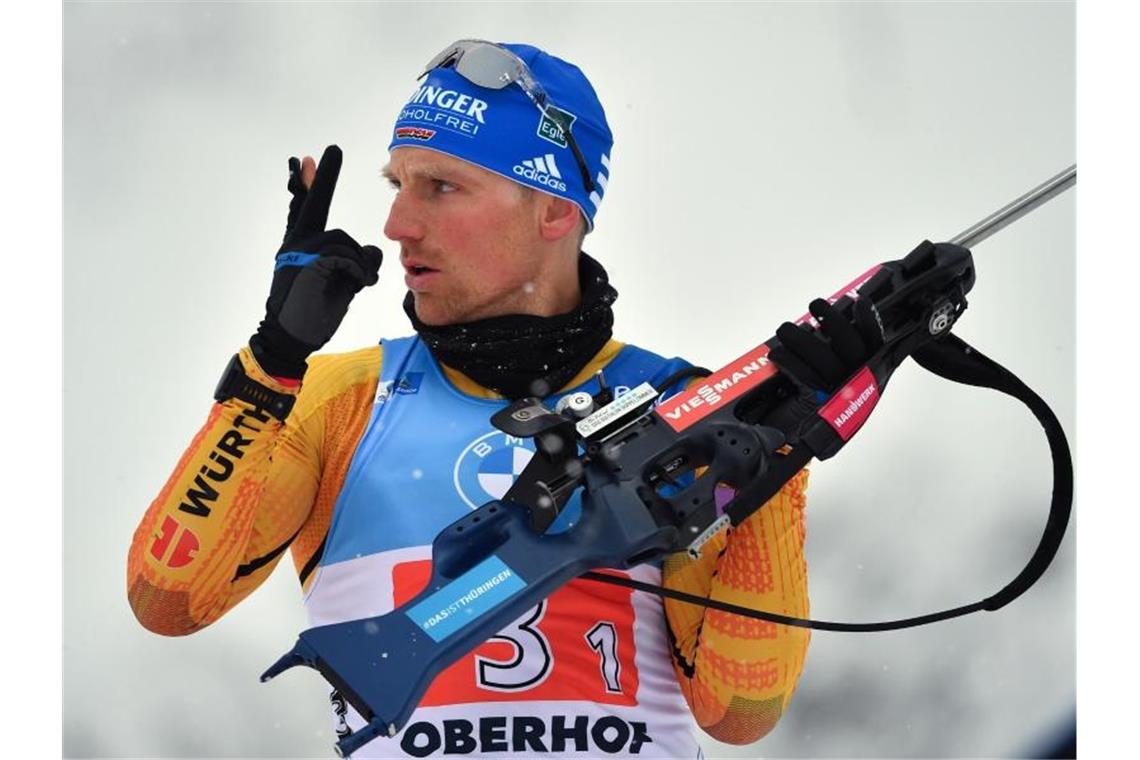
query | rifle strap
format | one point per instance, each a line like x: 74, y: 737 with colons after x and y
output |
x: 952, y: 358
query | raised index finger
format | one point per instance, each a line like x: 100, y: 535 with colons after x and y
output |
x: 315, y: 212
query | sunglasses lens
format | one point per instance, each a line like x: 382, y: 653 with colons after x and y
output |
x: 487, y: 66
x: 443, y: 57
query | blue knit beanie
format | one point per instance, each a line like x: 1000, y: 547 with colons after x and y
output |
x: 504, y: 132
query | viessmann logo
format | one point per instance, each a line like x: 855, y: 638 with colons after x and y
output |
x: 729, y: 383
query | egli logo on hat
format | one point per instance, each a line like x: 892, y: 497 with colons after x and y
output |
x: 554, y: 124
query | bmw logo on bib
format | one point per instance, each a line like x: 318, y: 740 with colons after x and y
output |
x: 489, y: 466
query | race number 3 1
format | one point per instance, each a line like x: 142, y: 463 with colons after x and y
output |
x: 576, y: 645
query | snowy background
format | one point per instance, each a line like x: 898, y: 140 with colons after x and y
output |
x: 765, y: 154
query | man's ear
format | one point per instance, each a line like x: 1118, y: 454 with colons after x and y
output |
x: 558, y: 217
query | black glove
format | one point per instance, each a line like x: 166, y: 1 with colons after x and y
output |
x: 316, y: 276
x: 824, y: 359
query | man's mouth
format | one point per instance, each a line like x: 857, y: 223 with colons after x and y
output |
x: 418, y: 275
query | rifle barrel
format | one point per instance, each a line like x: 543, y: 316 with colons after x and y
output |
x: 1016, y: 209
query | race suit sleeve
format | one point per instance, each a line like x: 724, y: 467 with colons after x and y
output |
x: 738, y: 674
x: 247, y: 487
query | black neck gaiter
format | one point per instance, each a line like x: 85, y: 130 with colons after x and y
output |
x: 521, y: 355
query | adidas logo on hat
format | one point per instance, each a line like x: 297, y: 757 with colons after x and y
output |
x: 543, y: 170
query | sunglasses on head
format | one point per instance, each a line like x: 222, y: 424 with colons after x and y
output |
x: 492, y: 66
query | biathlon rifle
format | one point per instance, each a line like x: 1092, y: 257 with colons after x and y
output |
x: 649, y: 471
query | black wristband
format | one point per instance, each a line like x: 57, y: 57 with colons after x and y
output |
x: 235, y: 383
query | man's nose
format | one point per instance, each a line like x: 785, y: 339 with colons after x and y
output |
x: 404, y: 220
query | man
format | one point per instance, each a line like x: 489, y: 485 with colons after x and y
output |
x: 356, y: 461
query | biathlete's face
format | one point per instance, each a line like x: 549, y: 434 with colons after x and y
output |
x: 468, y: 238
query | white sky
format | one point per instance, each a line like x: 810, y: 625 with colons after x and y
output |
x: 903, y: 169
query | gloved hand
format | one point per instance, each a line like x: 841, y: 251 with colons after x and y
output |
x: 824, y: 359
x: 316, y: 276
